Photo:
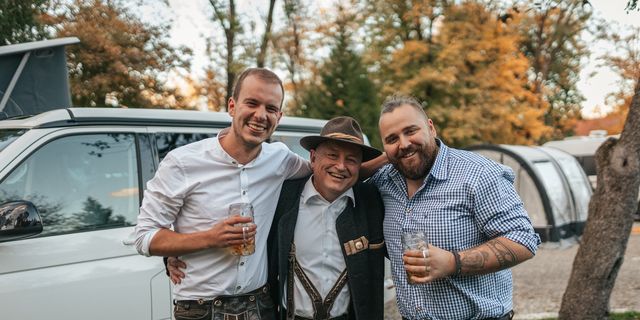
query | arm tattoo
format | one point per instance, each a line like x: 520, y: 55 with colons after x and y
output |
x: 506, y: 257
x: 473, y: 260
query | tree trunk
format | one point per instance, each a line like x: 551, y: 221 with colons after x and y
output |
x: 264, y: 45
x: 230, y: 33
x: 230, y: 30
x: 609, y: 223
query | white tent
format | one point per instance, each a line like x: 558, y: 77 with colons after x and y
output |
x: 553, y: 187
x: 584, y: 150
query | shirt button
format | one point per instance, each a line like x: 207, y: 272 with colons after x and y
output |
x: 242, y: 263
x: 242, y: 169
x: 244, y: 192
x: 238, y: 287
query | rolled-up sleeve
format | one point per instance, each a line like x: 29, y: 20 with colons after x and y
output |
x: 161, y: 204
x: 500, y: 211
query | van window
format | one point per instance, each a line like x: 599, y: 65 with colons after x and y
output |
x: 167, y: 141
x: 79, y: 182
x: 293, y: 142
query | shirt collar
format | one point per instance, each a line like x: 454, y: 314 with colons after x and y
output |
x: 222, y: 156
x: 309, y: 192
x: 440, y: 169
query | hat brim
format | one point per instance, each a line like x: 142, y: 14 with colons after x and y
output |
x: 312, y: 142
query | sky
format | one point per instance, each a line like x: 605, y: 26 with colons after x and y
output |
x: 597, y: 87
x: 190, y: 21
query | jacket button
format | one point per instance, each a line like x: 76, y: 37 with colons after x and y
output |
x: 359, y: 245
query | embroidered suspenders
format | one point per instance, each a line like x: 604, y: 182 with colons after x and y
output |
x: 321, y: 309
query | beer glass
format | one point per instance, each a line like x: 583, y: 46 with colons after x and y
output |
x: 414, y: 240
x: 248, y: 246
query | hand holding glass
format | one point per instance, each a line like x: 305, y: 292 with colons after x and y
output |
x: 248, y: 246
x: 414, y: 241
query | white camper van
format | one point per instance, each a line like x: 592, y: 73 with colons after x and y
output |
x: 71, y: 182
x: 83, y: 170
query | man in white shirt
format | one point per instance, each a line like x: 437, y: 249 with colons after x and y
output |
x: 192, y: 191
x: 327, y: 234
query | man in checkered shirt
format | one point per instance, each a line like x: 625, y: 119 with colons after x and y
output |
x: 466, y: 205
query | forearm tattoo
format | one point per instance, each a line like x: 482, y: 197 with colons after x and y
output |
x: 473, y: 260
x: 506, y: 257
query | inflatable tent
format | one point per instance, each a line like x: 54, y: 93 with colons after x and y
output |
x: 552, y: 184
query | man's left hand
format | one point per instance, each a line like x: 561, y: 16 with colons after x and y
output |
x: 424, y: 268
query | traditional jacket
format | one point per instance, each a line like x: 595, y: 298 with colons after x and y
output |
x: 359, y: 230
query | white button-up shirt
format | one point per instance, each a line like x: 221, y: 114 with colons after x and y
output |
x: 192, y: 191
x: 318, y: 249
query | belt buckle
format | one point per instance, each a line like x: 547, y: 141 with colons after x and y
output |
x: 238, y: 316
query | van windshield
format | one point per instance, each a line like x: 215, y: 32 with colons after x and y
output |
x: 7, y: 136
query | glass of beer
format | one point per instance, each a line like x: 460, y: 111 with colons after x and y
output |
x: 243, y: 209
x: 414, y: 241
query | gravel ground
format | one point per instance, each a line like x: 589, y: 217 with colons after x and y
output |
x: 540, y: 282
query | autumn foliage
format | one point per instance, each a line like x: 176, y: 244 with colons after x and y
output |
x: 486, y: 72
x: 119, y: 56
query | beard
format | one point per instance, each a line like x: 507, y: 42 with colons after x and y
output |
x: 418, y: 170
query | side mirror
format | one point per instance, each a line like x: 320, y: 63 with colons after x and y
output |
x: 19, y: 219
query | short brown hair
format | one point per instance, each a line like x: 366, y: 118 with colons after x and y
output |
x: 263, y: 74
x: 398, y: 100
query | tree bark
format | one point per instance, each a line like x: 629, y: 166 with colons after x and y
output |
x: 609, y: 224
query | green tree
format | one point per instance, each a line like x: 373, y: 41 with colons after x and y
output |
x: 394, y: 24
x: 552, y: 41
x: 119, y: 56
x: 19, y: 21
x: 343, y: 86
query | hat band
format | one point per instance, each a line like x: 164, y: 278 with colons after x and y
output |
x: 343, y: 136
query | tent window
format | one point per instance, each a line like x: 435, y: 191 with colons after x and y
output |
x: 555, y: 189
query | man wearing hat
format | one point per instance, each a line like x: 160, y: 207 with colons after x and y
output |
x: 327, y: 234
x: 326, y: 247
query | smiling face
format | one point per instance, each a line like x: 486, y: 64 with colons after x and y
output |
x: 255, y: 112
x: 408, y: 138
x: 336, y: 166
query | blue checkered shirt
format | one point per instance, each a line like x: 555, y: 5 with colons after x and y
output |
x: 465, y: 200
